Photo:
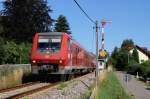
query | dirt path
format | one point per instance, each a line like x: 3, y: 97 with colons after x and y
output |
x: 134, y: 87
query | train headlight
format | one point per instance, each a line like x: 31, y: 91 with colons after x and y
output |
x: 34, y: 61
x: 60, y: 61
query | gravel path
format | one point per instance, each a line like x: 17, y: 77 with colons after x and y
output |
x: 134, y: 87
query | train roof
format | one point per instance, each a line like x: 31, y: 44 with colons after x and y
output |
x: 60, y: 33
x: 50, y: 33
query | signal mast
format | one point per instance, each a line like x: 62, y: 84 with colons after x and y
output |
x: 103, y: 22
x: 102, y: 52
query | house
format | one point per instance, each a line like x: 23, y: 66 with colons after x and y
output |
x: 101, y: 64
x: 143, y: 53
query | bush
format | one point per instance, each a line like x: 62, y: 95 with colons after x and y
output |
x: 2, y: 54
x: 145, y: 68
x: 134, y: 68
x: 12, y: 53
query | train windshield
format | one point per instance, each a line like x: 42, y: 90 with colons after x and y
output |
x: 49, y: 43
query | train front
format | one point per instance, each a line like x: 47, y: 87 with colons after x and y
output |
x: 48, y: 52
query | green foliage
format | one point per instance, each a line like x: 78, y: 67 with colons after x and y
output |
x: 86, y: 95
x: 122, y: 59
x: 62, y: 25
x: 111, y: 87
x: 133, y: 67
x: 12, y: 53
x: 25, y: 17
x: 145, y: 68
x: 2, y: 54
x: 121, y: 56
x: 62, y: 85
x: 135, y: 55
x: 1, y: 27
x: 114, y: 56
x: 127, y: 44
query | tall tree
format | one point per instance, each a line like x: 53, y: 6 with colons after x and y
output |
x: 25, y: 17
x: 115, y: 52
x: 62, y: 25
x: 135, y: 55
x: 114, y: 55
x: 127, y: 44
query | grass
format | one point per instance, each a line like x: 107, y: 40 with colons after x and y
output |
x: 86, y: 95
x: 62, y: 85
x: 110, y: 88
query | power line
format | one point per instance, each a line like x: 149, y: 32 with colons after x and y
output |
x: 84, y: 12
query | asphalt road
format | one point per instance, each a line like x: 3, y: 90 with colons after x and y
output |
x: 133, y: 87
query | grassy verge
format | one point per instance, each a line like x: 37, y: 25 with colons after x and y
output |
x: 110, y: 88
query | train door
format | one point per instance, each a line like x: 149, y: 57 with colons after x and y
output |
x: 70, y: 52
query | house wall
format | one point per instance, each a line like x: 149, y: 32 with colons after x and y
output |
x: 101, y: 65
x: 142, y: 57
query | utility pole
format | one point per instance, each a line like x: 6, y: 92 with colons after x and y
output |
x: 96, y: 53
x: 103, y: 22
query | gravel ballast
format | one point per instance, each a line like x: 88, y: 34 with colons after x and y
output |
x: 77, y: 88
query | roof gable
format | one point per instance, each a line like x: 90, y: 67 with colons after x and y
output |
x: 143, y: 51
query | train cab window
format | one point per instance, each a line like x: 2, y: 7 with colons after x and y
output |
x: 77, y: 50
x: 49, y: 43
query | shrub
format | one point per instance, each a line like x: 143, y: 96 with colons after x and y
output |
x: 145, y: 68
x: 12, y: 53
x: 134, y: 68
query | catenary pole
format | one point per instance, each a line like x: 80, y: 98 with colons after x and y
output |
x: 96, y: 53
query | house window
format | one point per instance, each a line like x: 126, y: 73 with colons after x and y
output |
x: 142, y: 61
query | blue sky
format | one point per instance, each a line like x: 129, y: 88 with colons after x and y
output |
x: 131, y: 19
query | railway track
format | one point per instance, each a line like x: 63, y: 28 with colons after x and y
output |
x: 27, y: 89
x: 29, y: 92
x: 22, y: 90
x: 19, y: 86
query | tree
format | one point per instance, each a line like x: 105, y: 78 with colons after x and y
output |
x: 62, y: 25
x: 135, y: 55
x: 2, y: 54
x: 1, y: 27
x: 127, y: 44
x: 122, y: 59
x: 145, y: 67
x: 121, y: 55
x: 114, y: 56
x: 115, y: 52
x: 25, y: 17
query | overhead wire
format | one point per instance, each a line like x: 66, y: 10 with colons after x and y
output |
x: 88, y: 18
x: 84, y: 12
x: 93, y: 39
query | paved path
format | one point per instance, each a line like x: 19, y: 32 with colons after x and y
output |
x: 134, y: 87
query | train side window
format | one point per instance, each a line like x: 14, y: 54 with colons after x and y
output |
x: 69, y: 45
x: 77, y: 50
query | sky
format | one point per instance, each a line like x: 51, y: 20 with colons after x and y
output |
x: 130, y: 20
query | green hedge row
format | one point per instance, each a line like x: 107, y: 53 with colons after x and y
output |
x: 142, y: 69
x: 13, y: 53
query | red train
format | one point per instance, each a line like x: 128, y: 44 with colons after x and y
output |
x: 57, y: 52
